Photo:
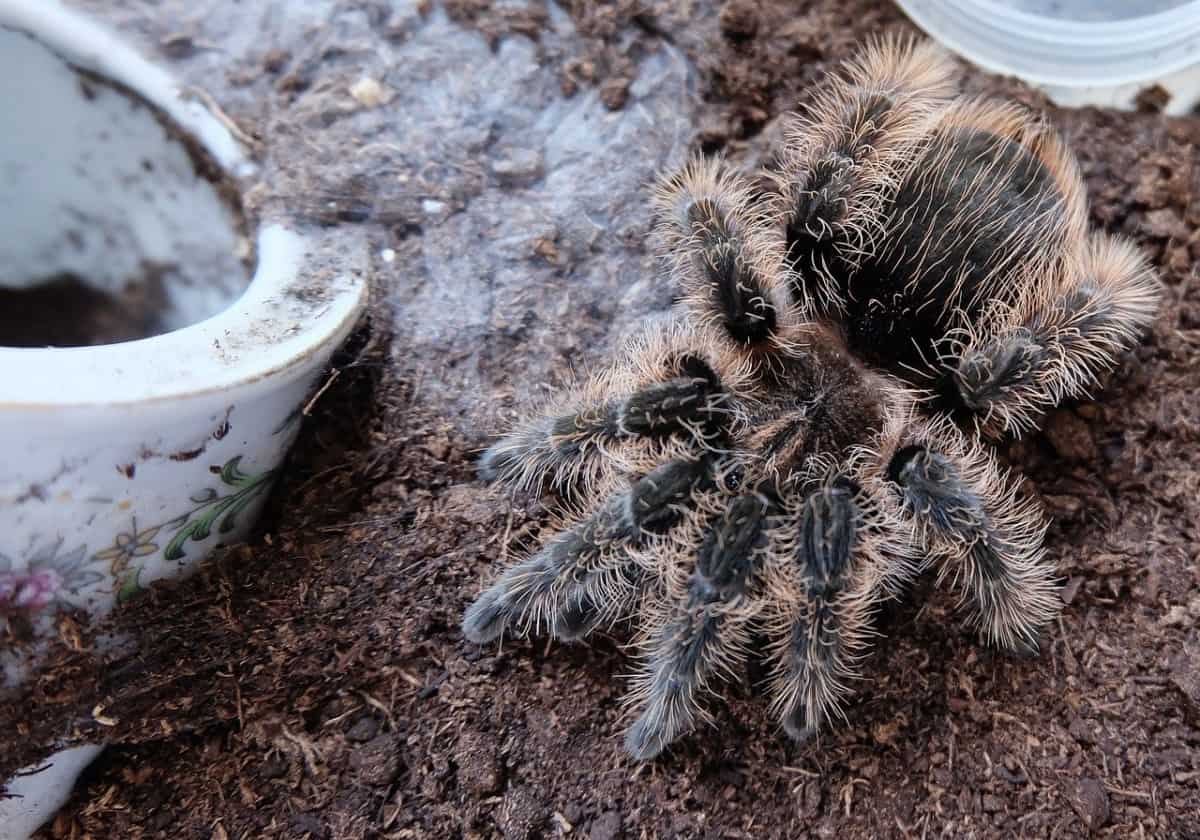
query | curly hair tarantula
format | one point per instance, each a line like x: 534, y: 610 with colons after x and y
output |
x: 788, y: 452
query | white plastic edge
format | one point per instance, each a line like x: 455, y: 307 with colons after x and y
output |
x: 41, y: 790
x: 1057, y: 52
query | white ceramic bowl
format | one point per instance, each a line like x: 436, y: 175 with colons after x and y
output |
x: 122, y: 463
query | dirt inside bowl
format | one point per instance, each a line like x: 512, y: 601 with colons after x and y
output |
x: 86, y: 307
x: 65, y: 311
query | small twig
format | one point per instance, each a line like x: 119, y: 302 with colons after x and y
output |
x: 334, y: 721
x: 848, y: 793
x: 379, y: 706
x: 507, y: 534
x: 332, y: 378
x: 801, y: 771
x: 1129, y: 794
x: 237, y: 694
x: 1005, y: 716
x: 224, y: 119
x: 308, y: 750
x: 411, y: 679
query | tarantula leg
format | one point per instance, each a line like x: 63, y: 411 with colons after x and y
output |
x: 971, y: 519
x: 825, y: 627
x: 558, y: 447
x: 729, y: 269
x: 585, y: 576
x: 843, y: 157
x: 704, y: 631
x: 1063, y: 345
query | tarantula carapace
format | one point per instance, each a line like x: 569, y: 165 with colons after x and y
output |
x: 788, y: 452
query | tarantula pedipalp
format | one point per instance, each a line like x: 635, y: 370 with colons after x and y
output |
x: 775, y: 463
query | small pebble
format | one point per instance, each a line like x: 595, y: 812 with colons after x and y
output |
x: 364, y: 730
x: 1070, y: 436
x: 520, y: 815
x: 518, y: 166
x: 377, y: 762
x: 607, y: 826
x: 370, y: 93
x: 1090, y: 801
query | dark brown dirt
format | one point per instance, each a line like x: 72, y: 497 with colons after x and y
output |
x: 65, y: 311
x: 315, y: 683
x: 609, y: 56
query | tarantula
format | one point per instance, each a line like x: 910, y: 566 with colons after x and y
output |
x: 788, y: 452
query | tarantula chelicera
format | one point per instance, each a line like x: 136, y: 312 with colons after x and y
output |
x: 788, y: 452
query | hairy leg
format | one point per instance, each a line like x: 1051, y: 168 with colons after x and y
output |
x: 824, y: 587
x: 700, y: 628
x: 1024, y: 361
x: 984, y: 537
x: 843, y: 156
x: 722, y: 253
x: 586, y: 576
x: 668, y: 384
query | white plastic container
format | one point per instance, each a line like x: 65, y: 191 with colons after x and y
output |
x: 1080, y: 52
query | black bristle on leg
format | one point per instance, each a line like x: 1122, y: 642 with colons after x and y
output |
x: 589, y: 600
x: 796, y: 714
x: 999, y: 369
x: 738, y: 292
x: 705, y: 632
x: 666, y: 407
x: 529, y: 595
x: 721, y: 250
x: 811, y: 226
x: 657, y: 500
x: 936, y: 490
x: 582, y: 578
x: 818, y: 217
x: 653, y: 505
x: 572, y: 432
x: 724, y: 559
x: 827, y: 537
x: 823, y: 196
x: 679, y: 662
x: 985, y: 538
x: 557, y: 448
x: 815, y: 658
x: 1011, y: 373
x: 660, y: 408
